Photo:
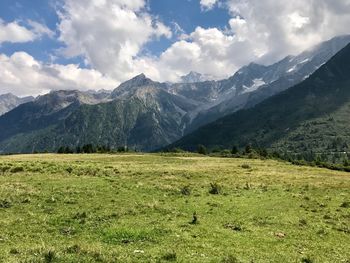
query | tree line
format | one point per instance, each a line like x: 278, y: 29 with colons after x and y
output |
x: 90, y: 148
x: 334, y: 161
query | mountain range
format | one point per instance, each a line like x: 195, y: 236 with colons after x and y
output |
x: 311, y: 116
x: 147, y: 115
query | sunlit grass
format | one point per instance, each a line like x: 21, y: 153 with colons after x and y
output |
x: 140, y: 208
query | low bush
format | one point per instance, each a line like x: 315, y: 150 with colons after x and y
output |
x: 215, y: 189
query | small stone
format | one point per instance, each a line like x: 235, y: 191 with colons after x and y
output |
x: 280, y: 235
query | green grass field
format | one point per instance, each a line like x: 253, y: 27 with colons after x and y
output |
x: 139, y: 208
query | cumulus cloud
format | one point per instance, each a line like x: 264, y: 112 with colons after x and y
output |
x: 209, y: 51
x: 279, y: 28
x: 110, y: 37
x: 13, y: 32
x: 22, y: 75
x: 205, y: 50
x: 262, y: 31
x: 109, y: 34
x: 207, y: 4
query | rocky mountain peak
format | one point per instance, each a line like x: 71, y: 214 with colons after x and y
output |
x: 194, y: 77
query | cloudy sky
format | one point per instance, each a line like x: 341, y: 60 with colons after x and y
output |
x: 97, y: 44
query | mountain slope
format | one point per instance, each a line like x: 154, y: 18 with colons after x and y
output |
x: 294, y: 120
x: 43, y: 112
x: 9, y: 101
x: 148, y: 119
x: 254, y: 83
x: 139, y: 114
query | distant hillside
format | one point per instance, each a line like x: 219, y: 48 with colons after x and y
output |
x: 254, y: 83
x: 311, y: 116
x: 145, y: 114
x: 9, y: 101
x: 139, y: 114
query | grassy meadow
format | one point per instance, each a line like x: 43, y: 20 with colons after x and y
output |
x: 170, y: 208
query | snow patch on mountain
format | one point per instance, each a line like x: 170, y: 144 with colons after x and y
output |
x: 257, y: 83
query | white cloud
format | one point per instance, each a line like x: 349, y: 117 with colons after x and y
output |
x: 205, y: 51
x: 263, y: 31
x: 208, y: 51
x: 15, y: 33
x: 279, y: 28
x: 109, y: 34
x: 40, y: 29
x: 207, y: 4
x: 22, y: 75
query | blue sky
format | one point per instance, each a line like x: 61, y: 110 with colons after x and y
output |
x: 186, y: 13
x: 36, y: 10
x: 95, y: 44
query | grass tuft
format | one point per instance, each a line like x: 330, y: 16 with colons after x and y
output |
x: 215, y: 189
x: 49, y: 256
x: 170, y: 256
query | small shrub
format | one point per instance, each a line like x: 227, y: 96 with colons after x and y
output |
x: 247, y: 186
x: 194, y: 219
x: 26, y: 201
x: 79, y: 215
x: 49, y: 256
x: 170, y: 256
x: 215, y: 189
x: 5, y: 204
x: 345, y: 205
x: 75, y: 249
x: 321, y: 232
x: 302, y: 222
x: 51, y: 200
x: 186, y: 190
x: 67, y: 231
x: 4, y: 169
x: 230, y: 259
x: 17, y: 169
x: 307, y: 260
x: 234, y: 227
x: 327, y: 217
x: 14, y: 251
x: 246, y: 166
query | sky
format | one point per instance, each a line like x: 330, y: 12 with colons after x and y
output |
x: 97, y: 44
